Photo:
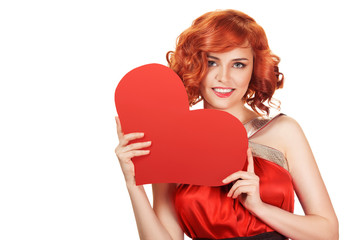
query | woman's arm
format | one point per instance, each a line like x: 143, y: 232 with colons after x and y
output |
x: 320, y: 221
x: 158, y: 223
x: 163, y: 205
x: 148, y: 223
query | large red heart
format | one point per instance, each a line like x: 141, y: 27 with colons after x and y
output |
x: 199, y: 147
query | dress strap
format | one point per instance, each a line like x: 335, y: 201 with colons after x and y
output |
x: 256, y: 124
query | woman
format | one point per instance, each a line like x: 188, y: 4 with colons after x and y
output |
x: 224, y: 59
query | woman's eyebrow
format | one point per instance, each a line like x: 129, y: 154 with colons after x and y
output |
x: 236, y: 59
x: 209, y: 56
x: 240, y: 59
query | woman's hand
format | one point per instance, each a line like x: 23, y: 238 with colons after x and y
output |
x: 125, y: 152
x: 246, y: 185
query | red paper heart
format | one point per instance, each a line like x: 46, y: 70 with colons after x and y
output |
x: 199, y: 147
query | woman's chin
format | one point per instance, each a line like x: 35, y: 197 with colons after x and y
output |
x: 217, y: 106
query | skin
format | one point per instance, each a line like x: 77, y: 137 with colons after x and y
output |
x: 230, y: 69
x: 284, y: 133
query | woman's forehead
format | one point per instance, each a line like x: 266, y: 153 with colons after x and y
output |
x: 245, y: 51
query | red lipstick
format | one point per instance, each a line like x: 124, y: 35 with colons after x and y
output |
x: 223, y: 92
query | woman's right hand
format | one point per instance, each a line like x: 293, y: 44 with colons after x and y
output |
x: 125, y: 152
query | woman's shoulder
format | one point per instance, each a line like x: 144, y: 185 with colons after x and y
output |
x: 288, y: 133
x: 287, y: 127
x: 278, y: 131
x: 285, y: 123
x: 280, y: 123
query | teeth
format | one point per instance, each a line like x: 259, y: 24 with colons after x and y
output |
x: 220, y: 90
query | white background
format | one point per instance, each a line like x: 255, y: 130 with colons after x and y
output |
x: 60, y: 62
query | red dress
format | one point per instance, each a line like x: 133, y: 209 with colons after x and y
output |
x: 206, y: 212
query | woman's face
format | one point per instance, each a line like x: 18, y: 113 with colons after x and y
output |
x: 228, y: 78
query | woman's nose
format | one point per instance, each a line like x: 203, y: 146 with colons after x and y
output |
x: 222, y: 75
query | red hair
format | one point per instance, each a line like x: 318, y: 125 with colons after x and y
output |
x: 221, y: 31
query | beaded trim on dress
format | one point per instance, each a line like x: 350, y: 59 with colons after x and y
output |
x: 263, y: 151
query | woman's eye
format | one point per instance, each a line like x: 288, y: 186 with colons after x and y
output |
x: 239, y: 65
x: 211, y: 63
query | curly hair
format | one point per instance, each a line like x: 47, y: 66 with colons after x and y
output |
x: 221, y: 31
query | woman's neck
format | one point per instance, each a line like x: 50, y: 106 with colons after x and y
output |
x: 240, y: 112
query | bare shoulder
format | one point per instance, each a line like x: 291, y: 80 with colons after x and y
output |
x: 283, y: 133
x: 289, y: 131
x: 279, y: 133
x: 287, y: 126
x: 293, y: 141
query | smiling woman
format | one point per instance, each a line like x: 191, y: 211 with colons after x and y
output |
x: 216, y: 33
x: 224, y: 59
x: 228, y: 77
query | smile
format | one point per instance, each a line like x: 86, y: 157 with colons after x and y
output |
x: 223, y: 92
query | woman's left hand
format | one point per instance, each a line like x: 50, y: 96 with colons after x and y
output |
x: 246, y: 185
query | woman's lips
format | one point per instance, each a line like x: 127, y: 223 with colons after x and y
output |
x: 223, y: 92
